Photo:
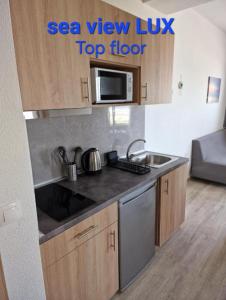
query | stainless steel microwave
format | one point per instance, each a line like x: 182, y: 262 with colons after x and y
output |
x: 111, y: 86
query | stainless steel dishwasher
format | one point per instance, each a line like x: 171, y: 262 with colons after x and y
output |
x: 136, y: 232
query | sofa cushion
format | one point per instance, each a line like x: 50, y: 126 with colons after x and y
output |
x: 209, y: 157
x: 210, y: 171
x: 213, y: 147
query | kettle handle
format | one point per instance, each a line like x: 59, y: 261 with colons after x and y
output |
x: 83, y: 158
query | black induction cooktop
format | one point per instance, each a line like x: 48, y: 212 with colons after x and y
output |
x: 60, y: 203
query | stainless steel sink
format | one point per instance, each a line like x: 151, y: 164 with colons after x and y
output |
x: 155, y: 160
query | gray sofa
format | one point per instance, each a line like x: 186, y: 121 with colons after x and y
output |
x: 209, y: 157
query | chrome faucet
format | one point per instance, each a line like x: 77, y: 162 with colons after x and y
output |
x: 128, y: 157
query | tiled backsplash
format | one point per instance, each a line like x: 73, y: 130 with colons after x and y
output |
x: 107, y: 129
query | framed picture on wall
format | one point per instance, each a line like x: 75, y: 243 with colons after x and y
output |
x: 213, y: 92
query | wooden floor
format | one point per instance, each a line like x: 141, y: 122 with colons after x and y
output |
x: 192, y: 265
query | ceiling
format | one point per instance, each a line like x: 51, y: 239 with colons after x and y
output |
x: 172, y: 6
x: 214, y: 10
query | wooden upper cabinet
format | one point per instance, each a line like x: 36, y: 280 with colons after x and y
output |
x: 52, y: 73
x: 171, y: 203
x: 157, y: 68
x: 129, y: 39
x: 110, y: 13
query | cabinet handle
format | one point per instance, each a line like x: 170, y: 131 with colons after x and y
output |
x: 85, y: 232
x: 113, y: 245
x: 85, y: 82
x: 145, y: 86
x: 167, y: 186
x: 118, y: 54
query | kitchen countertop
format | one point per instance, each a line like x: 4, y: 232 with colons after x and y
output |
x: 104, y: 189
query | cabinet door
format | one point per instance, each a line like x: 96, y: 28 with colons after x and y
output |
x: 171, y: 203
x: 98, y: 266
x: 62, y: 278
x: 99, y: 9
x: 157, y: 69
x: 3, y: 291
x: 90, y: 272
x: 128, y: 39
x: 52, y: 73
x: 109, y: 13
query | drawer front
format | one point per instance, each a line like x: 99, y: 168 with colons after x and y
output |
x: 70, y: 239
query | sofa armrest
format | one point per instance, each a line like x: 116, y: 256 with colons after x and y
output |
x: 197, y: 156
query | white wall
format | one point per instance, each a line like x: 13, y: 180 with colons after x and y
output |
x: 200, y: 51
x: 19, y: 246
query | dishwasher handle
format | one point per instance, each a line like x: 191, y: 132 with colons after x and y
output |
x: 137, y: 193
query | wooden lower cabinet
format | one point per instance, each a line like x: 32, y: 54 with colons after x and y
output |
x: 90, y: 272
x: 170, y: 213
x: 3, y: 291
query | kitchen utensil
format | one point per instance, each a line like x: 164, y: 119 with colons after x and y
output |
x: 76, y: 151
x: 63, y: 154
x: 71, y: 171
x: 91, y: 161
x: 77, y: 159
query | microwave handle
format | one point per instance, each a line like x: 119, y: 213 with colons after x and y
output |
x: 98, y: 98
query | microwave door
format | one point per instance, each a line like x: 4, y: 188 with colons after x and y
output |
x: 113, y: 87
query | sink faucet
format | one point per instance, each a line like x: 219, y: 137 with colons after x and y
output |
x: 130, y: 145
